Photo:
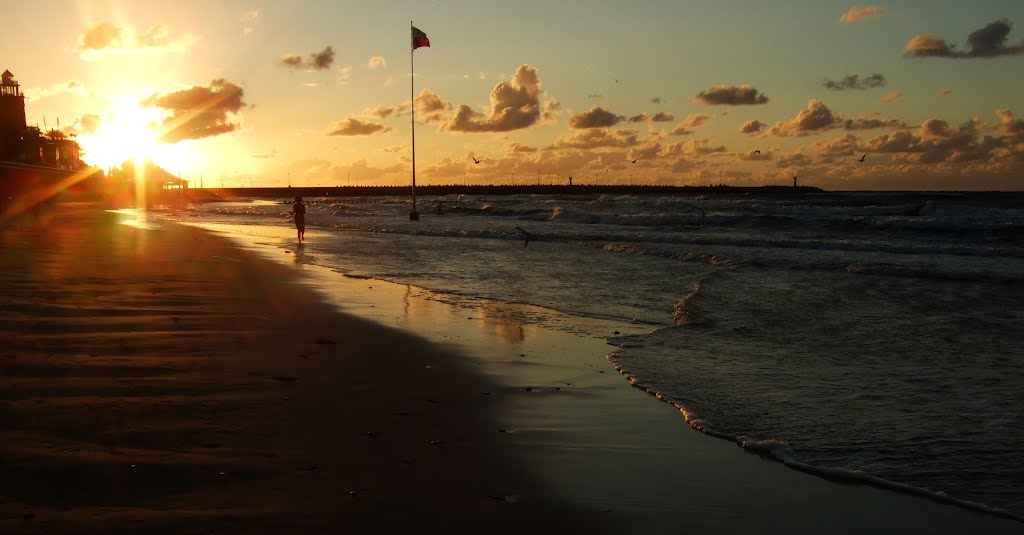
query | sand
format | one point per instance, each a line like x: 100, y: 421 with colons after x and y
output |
x: 157, y: 378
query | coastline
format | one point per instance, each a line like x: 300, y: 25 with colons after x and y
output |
x: 158, y: 379
x: 607, y: 445
x: 216, y: 444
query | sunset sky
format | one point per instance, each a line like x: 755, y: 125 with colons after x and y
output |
x: 255, y: 93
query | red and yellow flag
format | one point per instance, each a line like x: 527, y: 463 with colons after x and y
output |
x: 419, y: 38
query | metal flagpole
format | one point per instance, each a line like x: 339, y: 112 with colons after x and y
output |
x: 413, y: 215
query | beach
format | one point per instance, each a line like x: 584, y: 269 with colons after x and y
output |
x: 159, y: 378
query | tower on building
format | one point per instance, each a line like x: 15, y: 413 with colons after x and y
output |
x: 12, y: 115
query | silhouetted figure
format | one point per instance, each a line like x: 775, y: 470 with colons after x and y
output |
x: 794, y: 181
x: 299, y: 211
x: 440, y: 207
x: 570, y: 181
x: 524, y: 234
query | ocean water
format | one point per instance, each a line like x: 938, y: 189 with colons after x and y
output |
x: 858, y: 336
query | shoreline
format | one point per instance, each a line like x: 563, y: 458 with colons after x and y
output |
x: 352, y: 296
x: 159, y: 379
x: 101, y: 374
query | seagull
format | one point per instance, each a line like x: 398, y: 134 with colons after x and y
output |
x: 634, y: 161
x: 862, y: 158
x: 757, y: 151
x: 474, y: 159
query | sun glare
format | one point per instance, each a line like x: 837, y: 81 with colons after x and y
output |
x: 128, y: 133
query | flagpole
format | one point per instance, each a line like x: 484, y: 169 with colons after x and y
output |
x: 413, y: 215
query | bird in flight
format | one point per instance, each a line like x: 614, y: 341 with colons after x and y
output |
x: 634, y: 161
x: 474, y: 159
x: 862, y: 158
x: 757, y: 151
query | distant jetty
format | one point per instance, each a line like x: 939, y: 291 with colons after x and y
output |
x: 540, y: 189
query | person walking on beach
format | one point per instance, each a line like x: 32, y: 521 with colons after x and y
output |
x: 525, y: 235
x: 299, y: 211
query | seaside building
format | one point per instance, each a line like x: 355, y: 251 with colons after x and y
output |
x: 12, y: 115
x: 20, y: 143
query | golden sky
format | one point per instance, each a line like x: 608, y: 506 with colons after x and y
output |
x: 654, y: 92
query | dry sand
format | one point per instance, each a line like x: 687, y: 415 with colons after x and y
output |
x: 157, y: 380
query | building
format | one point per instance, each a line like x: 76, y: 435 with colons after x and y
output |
x: 20, y: 143
x: 12, y: 116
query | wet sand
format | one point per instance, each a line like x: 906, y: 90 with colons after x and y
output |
x: 157, y: 378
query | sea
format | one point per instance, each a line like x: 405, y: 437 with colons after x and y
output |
x: 873, y: 337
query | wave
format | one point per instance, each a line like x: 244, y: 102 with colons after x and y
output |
x: 780, y: 451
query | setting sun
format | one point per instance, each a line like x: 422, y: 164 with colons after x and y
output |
x: 129, y: 132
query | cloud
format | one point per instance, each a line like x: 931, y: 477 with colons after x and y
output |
x: 105, y: 38
x: 266, y: 155
x: 60, y: 88
x: 101, y: 36
x: 89, y: 123
x: 249, y: 20
x: 987, y: 42
x: 344, y: 75
x: 922, y: 46
x: 696, y: 119
x: 869, y: 124
x: 692, y: 148
x: 660, y: 117
x: 857, y: 13
x: 794, y: 160
x: 322, y: 60
x: 815, y: 117
x: 730, y: 95
x: 936, y: 141
x: 318, y: 61
x: 595, y: 138
x: 200, y: 111
x: 752, y: 127
x: 430, y: 107
x: 595, y: 96
x: 1008, y: 124
x: 891, y: 96
x: 693, y: 120
x: 656, y: 100
x: 845, y: 145
x: 598, y: 117
x: 292, y: 61
x: 382, y: 111
x: 355, y: 127
x: 854, y: 81
x: 516, y: 148
x: 377, y: 62
x: 514, y: 105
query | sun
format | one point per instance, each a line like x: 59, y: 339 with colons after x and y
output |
x: 129, y: 132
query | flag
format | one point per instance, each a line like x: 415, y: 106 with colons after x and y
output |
x: 419, y: 38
